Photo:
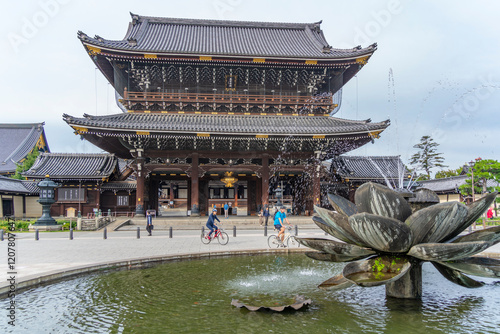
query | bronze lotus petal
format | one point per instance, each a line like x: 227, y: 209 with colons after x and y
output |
x: 335, y: 247
x: 376, y: 271
x: 338, y: 282
x: 477, y: 266
x: 457, y: 277
x: 380, y: 200
x: 435, y: 223
x: 323, y: 256
x: 447, y: 252
x: 491, y: 234
x: 340, y: 225
x: 382, y: 233
x: 475, y: 210
x: 342, y: 205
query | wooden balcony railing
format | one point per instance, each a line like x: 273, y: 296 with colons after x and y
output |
x: 246, y: 102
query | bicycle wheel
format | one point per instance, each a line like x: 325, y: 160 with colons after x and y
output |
x: 223, y: 238
x: 273, y: 241
x: 292, y: 242
x: 204, y: 238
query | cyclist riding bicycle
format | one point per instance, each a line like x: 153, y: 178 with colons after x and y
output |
x: 279, y: 219
x: 211, y: 222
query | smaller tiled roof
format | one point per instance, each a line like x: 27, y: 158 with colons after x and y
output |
x: 17, y: 141
x: 226, y: 124
x: 14, y: 186
x: 78, y: 166
x: 450, y: 184
x: 367, y: 167
x: 123, y: 185
x: 214, y: 37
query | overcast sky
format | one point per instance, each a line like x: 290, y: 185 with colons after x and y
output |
x: 435, y: 71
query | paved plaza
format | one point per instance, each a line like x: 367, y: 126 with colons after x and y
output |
x: 55, y: 256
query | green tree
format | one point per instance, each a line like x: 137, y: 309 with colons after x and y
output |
x: 484, y: 170
x: 27, y: 163
x: 427, y: 157
x: 448, y: 173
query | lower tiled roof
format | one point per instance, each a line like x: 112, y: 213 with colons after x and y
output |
x: 73, y: 166
x: 14, y: 186
x: 125, y: 185
x: 225, y: 124
x: 450, y: 184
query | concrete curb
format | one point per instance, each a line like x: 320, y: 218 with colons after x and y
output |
x: 59, y: 275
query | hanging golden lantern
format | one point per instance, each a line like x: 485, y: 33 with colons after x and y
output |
x: 229, y: 180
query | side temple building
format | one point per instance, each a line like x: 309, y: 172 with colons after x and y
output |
x: 225, y: 111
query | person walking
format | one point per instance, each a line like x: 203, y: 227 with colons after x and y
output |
x: 261, y: 217
x: 149, y: 222
x: 266, y: 214
x: 226, y: 210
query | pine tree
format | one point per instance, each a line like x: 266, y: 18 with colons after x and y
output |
x: 427, y: 157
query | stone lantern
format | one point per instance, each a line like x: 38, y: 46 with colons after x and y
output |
x: 47, y: 198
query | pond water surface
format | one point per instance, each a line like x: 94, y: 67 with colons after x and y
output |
x: 195, y: 297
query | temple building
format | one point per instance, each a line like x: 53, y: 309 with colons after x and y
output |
x: 225, y: 112
x: 346, y: 173
x: 87, y: 183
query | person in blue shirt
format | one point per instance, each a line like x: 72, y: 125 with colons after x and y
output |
x: 226, y: 210
x: 279, y: 223
x: 266, y: 214
x: 149, y: 222
x: 211, y: 222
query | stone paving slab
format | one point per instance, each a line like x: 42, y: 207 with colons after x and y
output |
x: 54, y: 256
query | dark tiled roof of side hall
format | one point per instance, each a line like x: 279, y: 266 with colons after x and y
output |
x: 450, y: 184
x: 14, y: 186
x: 67, y: 166
x: 121, y: 185
x: 367, y: 167
x: 216, y: 37
x: 17, y: 141
x: 226, y: 124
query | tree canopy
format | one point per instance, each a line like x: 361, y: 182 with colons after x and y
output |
x: 484, y: 170
x: 27, y: 163
x: 448, y: 173
x: 427, y: 157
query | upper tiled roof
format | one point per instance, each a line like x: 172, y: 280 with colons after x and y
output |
x: 226, y: 124
x: 366, y: 167
x: 214, y: 37
x: 14, y: 186
x: 450, y: 184
x: 17, y: 141
x: 73, y: 166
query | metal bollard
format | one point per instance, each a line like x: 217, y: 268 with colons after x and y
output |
x: 265, y: 231
x: 70, y: 233
x: 234, y: 231
x: 170, y: 232
x: 202, y: 230
x: 105, y: 233
x: 138, y: 232
x: 1, y: 235
x: 36, y: 234
x: 296, y: 229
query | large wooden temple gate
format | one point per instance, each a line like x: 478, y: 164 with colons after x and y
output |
x: 223, y: 111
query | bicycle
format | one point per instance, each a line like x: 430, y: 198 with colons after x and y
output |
x: 289, y: 240
x: 221, y: 236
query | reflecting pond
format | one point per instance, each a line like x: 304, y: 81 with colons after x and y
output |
x: 195, y: 296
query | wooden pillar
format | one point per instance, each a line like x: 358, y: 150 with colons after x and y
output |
x: 139, y: 199
x: 265, y: 180
x: 195, y: 205
x: 236, y: 195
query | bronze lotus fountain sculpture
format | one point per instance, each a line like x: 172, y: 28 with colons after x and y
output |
x: 388, y: 244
